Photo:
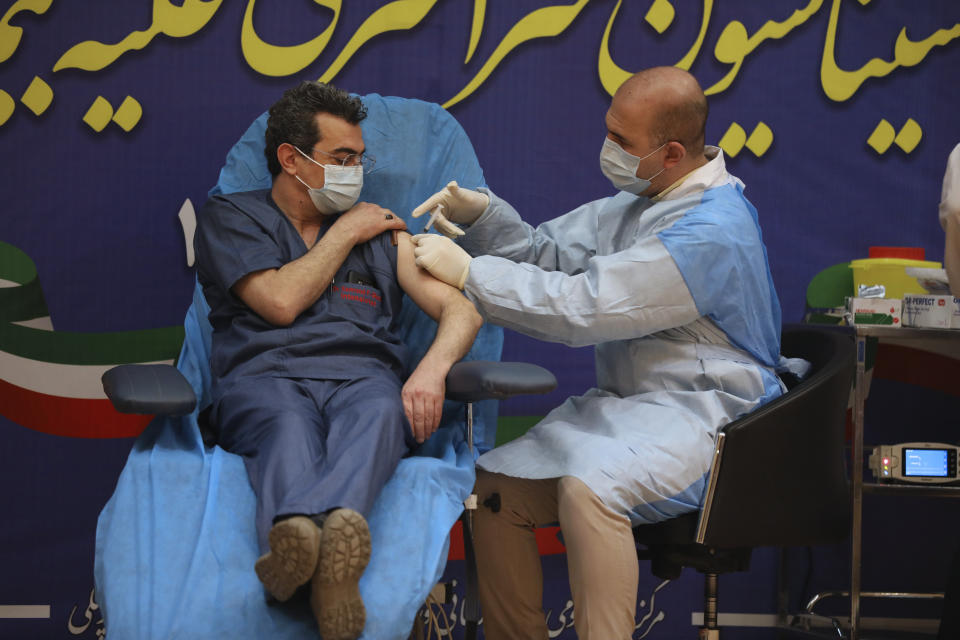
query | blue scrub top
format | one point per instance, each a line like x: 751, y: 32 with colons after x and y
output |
x: 350, y: 331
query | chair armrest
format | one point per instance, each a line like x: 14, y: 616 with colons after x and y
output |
x: 161, y: 389
x: 152, y: 389
x: 483, y: 380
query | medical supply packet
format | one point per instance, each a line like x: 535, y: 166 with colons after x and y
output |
x: 891, y: 273
x: 935, y: 281
x: 929, y: 311
x: 874, y: 311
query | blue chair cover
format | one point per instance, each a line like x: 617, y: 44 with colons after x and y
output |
x: 176, y: 542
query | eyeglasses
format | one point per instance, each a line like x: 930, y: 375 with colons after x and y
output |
x: 351, y: 159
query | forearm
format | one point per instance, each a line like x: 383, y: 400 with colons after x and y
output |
x: 423, y: 393
x: 457, y: 328
x: 280, y: 295
x: 305, y: 279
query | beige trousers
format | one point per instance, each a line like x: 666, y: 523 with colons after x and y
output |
x: 601, y: 558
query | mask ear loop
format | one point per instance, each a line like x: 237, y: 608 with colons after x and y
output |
x: 309, y: 158
x: 300, y: 151
x: 662, y: 169
x: 303, y: 183
x: 652, y: 152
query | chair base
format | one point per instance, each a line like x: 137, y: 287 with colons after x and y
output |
x: 667, y: 561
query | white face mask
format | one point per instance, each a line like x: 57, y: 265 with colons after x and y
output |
x: 621, y: 167
x: 341, y: 187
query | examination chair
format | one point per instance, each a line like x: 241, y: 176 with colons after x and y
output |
x: 176, y: 542
x: 778, y: 476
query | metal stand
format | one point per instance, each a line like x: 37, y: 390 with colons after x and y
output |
x: 709, y: 630
x: 471, y: 605
x: 859, y: 487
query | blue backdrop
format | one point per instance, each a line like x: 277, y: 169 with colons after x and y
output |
x: 837, y: 114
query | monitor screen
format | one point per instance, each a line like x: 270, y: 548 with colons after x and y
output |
x: 925, y: 462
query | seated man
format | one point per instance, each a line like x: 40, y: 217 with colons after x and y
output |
x: 306, y: 359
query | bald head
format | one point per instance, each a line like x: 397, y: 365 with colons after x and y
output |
x: 672, y: 103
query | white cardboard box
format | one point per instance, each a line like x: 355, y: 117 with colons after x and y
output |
x: 929, y: 311
x: 875, y: 311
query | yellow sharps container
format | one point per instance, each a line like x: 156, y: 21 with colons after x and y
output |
x: 891, y: 273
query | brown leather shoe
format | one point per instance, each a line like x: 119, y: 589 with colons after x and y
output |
x: 335, y: 593
x: 292, y: 559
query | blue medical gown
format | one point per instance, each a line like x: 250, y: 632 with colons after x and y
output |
x: 176, y: 542
x: 677, y: 296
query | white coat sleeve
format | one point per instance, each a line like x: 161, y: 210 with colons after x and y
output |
x: 620, y: 296
x: 563, y: 244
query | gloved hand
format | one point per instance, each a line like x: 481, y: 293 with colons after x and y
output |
x: 442, y: 258
x: 453, y: 204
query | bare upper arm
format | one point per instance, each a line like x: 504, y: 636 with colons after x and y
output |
x: 430, y: 294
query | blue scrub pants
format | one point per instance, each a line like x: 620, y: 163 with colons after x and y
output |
x: 314, y: 445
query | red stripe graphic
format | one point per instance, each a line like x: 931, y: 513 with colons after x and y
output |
x: 71, y: 417
x: 917, y: 367
x: 547, y: 541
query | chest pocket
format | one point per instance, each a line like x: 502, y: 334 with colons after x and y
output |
x: 356, y: 302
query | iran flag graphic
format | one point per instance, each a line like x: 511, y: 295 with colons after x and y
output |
x: 50, y: 380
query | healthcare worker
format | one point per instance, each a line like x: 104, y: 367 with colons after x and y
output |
x: 950, y: 221
x: 669, y: 279
x: 305, y: 289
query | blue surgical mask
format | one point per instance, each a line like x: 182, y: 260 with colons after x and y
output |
x: 621, y: 167
x: 341, y: 187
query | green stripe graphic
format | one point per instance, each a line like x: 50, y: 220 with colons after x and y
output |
x: 68, y: 347
x: 26, y: 301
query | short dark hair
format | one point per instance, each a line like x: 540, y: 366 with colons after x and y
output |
x: 292, y: 117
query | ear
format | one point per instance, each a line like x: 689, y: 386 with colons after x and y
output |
x: 286, y: 156
x: 676, y: 152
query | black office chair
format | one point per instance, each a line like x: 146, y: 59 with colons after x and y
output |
x: 778, y: 477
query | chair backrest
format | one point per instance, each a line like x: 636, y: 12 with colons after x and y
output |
x: 781, y: 478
